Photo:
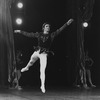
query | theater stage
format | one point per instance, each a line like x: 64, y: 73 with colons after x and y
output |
x: 51, y: 94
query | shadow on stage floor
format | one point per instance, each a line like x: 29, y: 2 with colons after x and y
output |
x: 51, y: 94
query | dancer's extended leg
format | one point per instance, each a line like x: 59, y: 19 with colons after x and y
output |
x: 33, y: 59
x: 43, y: 63
x: 89, y: 77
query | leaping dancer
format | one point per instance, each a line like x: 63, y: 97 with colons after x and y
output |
x: 45, y: 39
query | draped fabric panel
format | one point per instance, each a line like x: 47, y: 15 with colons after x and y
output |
x: 7, y: 55
x: 84, y: 13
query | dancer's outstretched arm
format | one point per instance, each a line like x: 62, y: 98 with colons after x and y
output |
x: 62, y: 28
x: 31, y: 34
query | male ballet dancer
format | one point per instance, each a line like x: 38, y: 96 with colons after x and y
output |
x: 41, y: 51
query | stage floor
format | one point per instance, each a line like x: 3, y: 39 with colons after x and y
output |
x: 56, y: 94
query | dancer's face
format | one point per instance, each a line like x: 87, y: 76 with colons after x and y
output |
x: 46, y: 28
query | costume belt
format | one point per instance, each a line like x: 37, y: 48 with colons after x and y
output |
x: 43, y: 50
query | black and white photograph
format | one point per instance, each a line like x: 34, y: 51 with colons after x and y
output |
x: 49, y: 50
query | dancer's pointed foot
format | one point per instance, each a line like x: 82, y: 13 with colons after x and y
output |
x: 19, y: 88
x: 43, y: 89
x: 24, y: 69
x: 93, y: 85
x: 85, y: 86
x: 78, y: 85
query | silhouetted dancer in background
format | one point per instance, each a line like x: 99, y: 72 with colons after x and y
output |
x: 80, y: 76
x: 88, y: 65
x: 18, y: 67
x: 84, y: 76
x: 81, y: 73
x: 41, y: 51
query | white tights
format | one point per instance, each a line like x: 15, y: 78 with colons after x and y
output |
x: 43, y: 62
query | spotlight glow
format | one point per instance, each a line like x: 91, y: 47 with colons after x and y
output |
x: 20, y: 5
x: 19, y: 21
x: 85, y: 24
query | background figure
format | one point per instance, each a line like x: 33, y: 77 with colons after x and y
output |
x: 88, y: 65
x: 80, y: 76
x: 7, y: 56
x: 84, y: 74
x: 18, y: 69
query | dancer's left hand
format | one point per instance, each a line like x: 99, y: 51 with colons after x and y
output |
x: 17, y: 31
x: 70, y: 21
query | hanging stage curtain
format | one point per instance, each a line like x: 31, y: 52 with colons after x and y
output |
x: 86, y: 9
x: 7, y: 55
x: 84, y: 13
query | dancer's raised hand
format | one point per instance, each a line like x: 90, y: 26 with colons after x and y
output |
x: 17, y: 31
x: 70, y: 21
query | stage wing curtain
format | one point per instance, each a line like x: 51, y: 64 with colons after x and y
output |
x: 7, y: 55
